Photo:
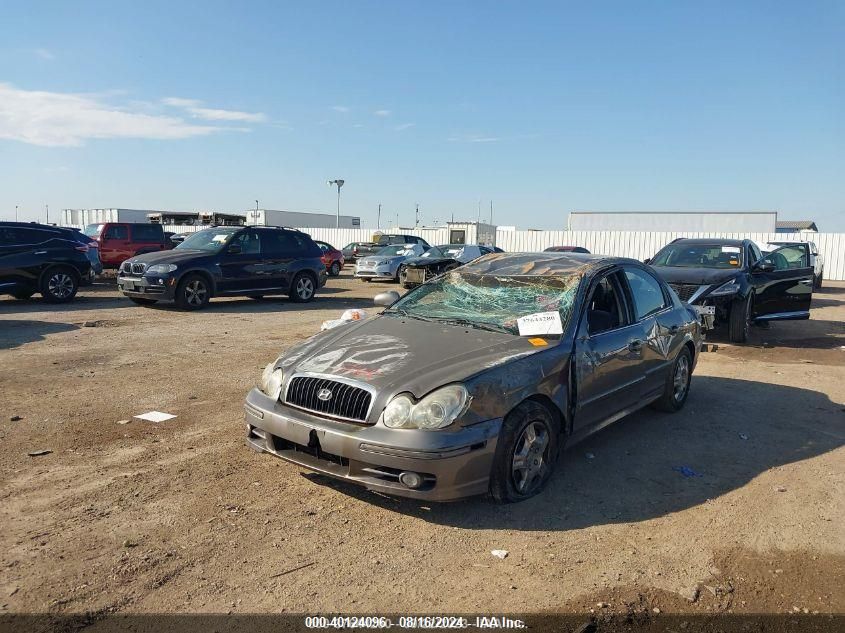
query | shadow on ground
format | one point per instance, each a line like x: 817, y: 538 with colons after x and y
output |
x: 634, y: 472
x: 16, y: 332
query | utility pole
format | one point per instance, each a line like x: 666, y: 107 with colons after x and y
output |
x: 255, y: 217
x: 378, y: 217
x: 479, y: 211
x: 47, y: 208
x: 16, y: 213
x: 491, y: 213
x: 417, y: 217
x: 339, y: 184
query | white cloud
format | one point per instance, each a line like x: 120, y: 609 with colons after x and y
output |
x: 404, y: 126
x: 340, y: 109
x: 43, y: 53
x: 195, y: 109
x: 358, y: 125
x: 382, y: 113
x: 473, y: 138
x: 67, y: 119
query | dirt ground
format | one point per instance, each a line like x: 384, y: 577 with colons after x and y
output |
x: 181, y: 517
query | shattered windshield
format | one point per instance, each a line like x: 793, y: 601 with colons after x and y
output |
x: 699, y: 256
x: 488, y: 301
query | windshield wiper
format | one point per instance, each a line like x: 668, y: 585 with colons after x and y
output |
x: 480, y: 325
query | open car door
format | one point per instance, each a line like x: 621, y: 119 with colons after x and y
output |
x: 783, y: 284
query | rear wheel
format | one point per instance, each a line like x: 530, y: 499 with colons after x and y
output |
x: 677, y: 384
x: 23, y: 294
x: 739, y: 320
x: 302, y: 288
x: 334, y: 269
x: 142, y: 302
x: 193, y: 292
x: 59, y: 284
x: 525, y: 454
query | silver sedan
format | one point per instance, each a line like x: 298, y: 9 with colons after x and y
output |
x: 385, y: 263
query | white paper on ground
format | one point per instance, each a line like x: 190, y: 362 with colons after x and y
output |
x: 154, y: 416
x: 540, y: 323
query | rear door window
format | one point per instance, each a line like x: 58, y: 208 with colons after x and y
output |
x: 790, y: 257
x: 646, y: 291
x: 117, y: 232
x: 147, y: 232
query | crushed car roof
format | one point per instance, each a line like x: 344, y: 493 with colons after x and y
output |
x: 522, y: 264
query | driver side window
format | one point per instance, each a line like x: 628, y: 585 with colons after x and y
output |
x: 249, y: 243
x: 605, y: 310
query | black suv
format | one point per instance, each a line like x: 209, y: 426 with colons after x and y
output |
x: 226, y: 261
x: 731, y: 282
x: 35, y: 257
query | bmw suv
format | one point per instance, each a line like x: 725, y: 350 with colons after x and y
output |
x: 226, y: 261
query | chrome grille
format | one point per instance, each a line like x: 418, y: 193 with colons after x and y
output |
x: 138, y: 269
x: 347, y: 401
x: 684, y: 291
x: 126, y: 267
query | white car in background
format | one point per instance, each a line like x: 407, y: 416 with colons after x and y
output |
x: 814, y: 257
x: 385, y: 263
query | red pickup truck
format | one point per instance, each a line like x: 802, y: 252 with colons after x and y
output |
x: 118, y: 241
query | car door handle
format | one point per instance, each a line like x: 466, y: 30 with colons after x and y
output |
x: 806, y: 282
x: 636, y: 345
x: 40, y: 253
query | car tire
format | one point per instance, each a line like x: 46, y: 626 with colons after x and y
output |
x: 334, y: 269
x: 23, y: 295
x: 193, y: 292
x: 143, y: 302
x: 302, y: 288
x: 400, y: 273
x: 59, y: 284
x: 819, y: 280
x: 526, y: 453
x: 677, y: 384
x: 739, y: 320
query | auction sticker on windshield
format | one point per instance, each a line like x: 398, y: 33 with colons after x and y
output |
x: 540, y: 323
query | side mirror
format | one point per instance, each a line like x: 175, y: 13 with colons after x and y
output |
x: 386, y: 299
x: 647, y: 260
x: 234, y: 249
x: 764, y: 267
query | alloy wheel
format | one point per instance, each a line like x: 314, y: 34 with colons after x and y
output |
x: 681, y: 378
x: 304, y: 288
x: 530, y: 457
x: 60, y: 285
x: 195, y: 292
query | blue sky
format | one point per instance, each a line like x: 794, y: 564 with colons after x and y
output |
x: 542, y: 108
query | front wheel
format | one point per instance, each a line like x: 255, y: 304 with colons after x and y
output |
x: 739, y: 320
x: 400, y: 274
x: 677, y: 384
x: 193, y: 292
x: 59, y: 285
x: 302, y: 289
x: 819, y: 280
x: 334, y: 269
x: 23, y: 294
x: 525, y: 454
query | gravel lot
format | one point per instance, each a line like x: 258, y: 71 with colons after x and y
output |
x: 181, y: 516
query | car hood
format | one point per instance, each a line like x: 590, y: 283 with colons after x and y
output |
x: 396, y: 354
x: 380, y: 259
x: 697, y: 276
x: 172, y: 256
x: 426, y: 261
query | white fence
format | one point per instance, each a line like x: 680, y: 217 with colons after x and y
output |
x: 634, y: 244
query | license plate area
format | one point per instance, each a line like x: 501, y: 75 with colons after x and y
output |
x: 709, y: 310
x: 415, y: 275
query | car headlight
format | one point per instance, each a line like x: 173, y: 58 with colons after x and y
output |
x: 160, y: 269
x: 271, y: 381
x: 728, y: 288
x: 436, y: 410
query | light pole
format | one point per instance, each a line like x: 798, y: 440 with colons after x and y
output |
x: 339, y: 184
x: 417, y: 217
x: 16, y: 213
x: 47, y: 207
x: 255, y: 216
x: 378, y: 217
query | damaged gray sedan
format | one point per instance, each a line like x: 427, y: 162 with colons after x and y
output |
x: 473, y: 382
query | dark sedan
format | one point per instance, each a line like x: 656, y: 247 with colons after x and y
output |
x: 731, y: 282
x: 471, y: 383
x: 226, y: 261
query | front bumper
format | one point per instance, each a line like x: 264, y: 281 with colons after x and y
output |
x: 375, y: 273
x: 452, y: 464
x: 160, y: 287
